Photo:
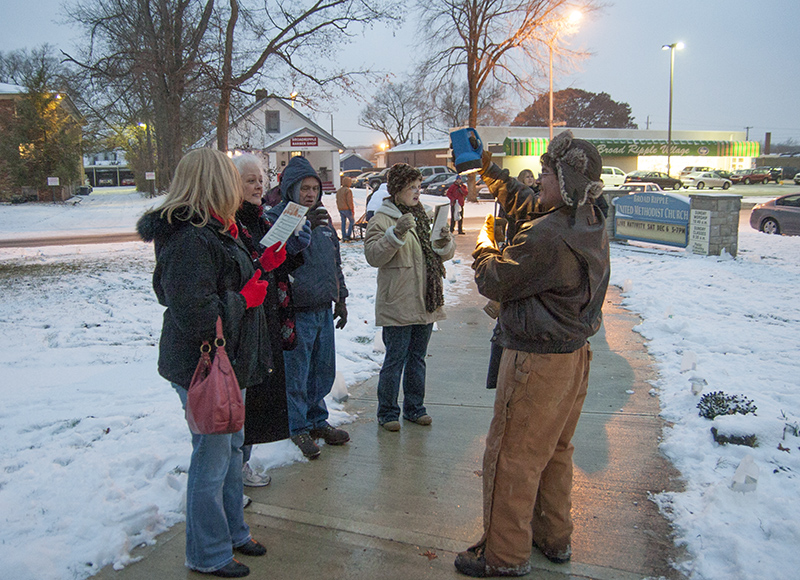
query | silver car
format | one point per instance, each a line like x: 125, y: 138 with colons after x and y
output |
x: 703, y: 179
x: 778, y: 216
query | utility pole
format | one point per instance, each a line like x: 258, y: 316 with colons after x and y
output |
x: 747, y: 133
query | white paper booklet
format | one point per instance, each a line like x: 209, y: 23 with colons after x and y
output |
x: 286, y: 224
x: 440, y: 215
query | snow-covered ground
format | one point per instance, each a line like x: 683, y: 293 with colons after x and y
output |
x: 94, y: 448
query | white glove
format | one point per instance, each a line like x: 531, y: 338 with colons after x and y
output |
x: 405, y: 223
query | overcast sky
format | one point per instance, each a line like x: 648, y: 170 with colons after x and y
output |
x: 739, y: 68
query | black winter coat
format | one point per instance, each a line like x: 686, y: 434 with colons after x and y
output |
x: 198, y: 275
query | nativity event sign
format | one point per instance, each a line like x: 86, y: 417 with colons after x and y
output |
x: 661, y: 218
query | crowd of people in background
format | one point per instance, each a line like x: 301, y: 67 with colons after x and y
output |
x: 280, y: 306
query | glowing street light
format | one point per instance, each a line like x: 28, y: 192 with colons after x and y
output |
x: 570, y: 22
x: 293, y: 96
x: 671, y: 48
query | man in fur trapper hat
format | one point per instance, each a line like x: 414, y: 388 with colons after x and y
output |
x: 550, y: 281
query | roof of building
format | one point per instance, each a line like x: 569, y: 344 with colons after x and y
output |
x: 212, y: 134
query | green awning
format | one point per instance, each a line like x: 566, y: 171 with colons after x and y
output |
x: 644, y: 147
x: 535, y: 147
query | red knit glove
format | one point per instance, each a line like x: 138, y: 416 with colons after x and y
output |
x: 254, y: 291
x: 273, y: 257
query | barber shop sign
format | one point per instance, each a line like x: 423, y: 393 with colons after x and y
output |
x: 661, y: 218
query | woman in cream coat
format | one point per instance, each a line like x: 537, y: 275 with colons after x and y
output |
x: 409, y: 298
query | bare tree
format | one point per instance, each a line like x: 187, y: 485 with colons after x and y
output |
x: 151, y: 46
x: 397, y: 110
x: 451, y: 103
x: 297, y: 36
x: 492, y: 41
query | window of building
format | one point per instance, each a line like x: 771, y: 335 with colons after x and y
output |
x: 273, y: 121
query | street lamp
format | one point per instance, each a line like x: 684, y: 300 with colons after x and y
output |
x: 571, y: 20
x: 671, y: 48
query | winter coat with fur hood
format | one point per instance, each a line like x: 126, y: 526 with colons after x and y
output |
x: 198, y: 275
x: 400, y: 299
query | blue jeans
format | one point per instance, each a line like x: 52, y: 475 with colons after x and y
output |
x: 310, y: 370
x: 214, y: 509
x: 347, y: 216
x: 406, y: 347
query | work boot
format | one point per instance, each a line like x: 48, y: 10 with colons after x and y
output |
x: 421, y: 420
x: 556, y: 556
x: 391, y: 425
x: 331, y: 435
x: 473, y: 563
x: 306, y: 445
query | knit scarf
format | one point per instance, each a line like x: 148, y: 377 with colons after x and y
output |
x: 434, y: 269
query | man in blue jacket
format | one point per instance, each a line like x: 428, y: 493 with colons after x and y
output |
x: 317, y: 284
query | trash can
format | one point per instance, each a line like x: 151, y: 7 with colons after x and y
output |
x: 84, y: 190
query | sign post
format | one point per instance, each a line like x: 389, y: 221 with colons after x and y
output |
x: 151, y: 177
x: 53, y: 182
x: 699, y: 231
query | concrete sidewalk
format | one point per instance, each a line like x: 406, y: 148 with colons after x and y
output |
x: 400, y: 505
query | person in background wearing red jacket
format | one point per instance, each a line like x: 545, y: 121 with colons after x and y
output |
x: 457, y: 194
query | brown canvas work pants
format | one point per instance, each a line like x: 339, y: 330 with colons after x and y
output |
x: 527, y: 465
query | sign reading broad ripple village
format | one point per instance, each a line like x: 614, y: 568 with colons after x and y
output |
x: 661, y: 218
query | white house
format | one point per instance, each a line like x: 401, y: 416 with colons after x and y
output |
x: 275, y: 131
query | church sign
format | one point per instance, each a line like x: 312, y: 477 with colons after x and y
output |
x: 661, y: 218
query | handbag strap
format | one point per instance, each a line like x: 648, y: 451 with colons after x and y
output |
x: 220, y: 341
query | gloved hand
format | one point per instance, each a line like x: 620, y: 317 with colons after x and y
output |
x: 444, y: 240
x: 486, y: 159
x: 405, y: 223
x: 255, y: 290
x: 272, y: 257
x: 300, y: 240
x: 340, y: 312
x: 318, y: 216
x: 486, y: 237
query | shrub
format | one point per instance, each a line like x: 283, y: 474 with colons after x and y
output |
x: 718, y: 403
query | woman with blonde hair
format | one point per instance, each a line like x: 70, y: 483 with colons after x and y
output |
x: 267, y: 417
x: 203, y: 272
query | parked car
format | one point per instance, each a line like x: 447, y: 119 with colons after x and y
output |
x: 441, y: 187
x: 432, y: 180
x: 362, y: 181
x: 640, y: 187
x: 775, y: 174
x: 376, y: 179
x: 707, y: 179
x: 428, y: 170
x: 748, y: 176
x: 722, y: 173
x: 694, y: 169
x: 777, y: 216
x: 797, y: 178
x: 351, y: 173
x: 662, y: 179
x: 612, y: 176
x: 790, y: 172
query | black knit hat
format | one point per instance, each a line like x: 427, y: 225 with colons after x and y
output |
x: 400, y: 175
x: 578, y: 165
